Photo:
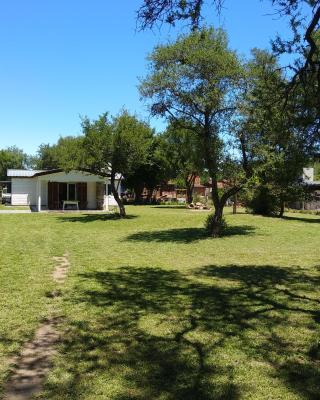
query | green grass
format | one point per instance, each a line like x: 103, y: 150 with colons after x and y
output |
x: 155, y: 310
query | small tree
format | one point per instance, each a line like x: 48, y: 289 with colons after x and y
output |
x: 116, y: 146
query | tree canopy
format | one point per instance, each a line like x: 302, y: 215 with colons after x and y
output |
x: 12, y: 158
x: 303, y: 17
x: 112, y: 146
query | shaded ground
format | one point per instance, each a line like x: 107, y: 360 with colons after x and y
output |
x: 186, y: 235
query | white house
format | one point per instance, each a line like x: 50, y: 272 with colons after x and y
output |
x: 54, y: 189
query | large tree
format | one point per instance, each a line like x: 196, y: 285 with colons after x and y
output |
x: 199, y: 79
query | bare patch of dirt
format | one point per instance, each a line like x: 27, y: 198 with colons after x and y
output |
x: 34, y: 363
x: 35, y: 360
x: 61, y: 268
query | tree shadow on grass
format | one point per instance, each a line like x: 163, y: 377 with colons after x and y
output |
x: 220, y: 333
x: 84, y: 218
x: 176, y: 207
x: 186, y: 235
x: 301, y: 219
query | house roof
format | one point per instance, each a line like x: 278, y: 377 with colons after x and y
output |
x: 24, y: 173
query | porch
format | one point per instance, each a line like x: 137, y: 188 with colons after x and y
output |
x: 55, y: 195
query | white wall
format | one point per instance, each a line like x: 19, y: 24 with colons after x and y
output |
x: 23, y: 191
x: 308, y: 174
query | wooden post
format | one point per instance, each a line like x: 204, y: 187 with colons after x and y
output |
x: 38, y: 195
x: 234, y: 209
x: 107, y: 196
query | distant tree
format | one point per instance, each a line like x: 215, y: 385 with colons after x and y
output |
x: 67, y: 152
x: 115, y: 146
x: 154, y: 171
x: 11, y: 158
x: 199, y: 80
x: 184, y: 153
x: 46, y: 157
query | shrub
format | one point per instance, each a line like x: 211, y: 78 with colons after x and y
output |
x: 262, y: 201
x: 210, y: 224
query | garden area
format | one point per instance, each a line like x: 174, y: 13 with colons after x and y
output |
x: 153, y: 308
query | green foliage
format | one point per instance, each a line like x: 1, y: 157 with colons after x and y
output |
x: 263, y: 201
x: 316, y: 167
x: 46, y: 157
x: 182, y: 148
x: 198, y: 81
x: 154, y: 170
x: 119, y: 145
x: 279, y: 149
x: 11, y: 158
x: 132, y: 140
x: 211, y: 224
x: 192, y: 77
x: 303, y: 46
x: 66, y: 154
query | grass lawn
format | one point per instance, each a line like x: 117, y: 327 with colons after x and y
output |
x: 155, y: 310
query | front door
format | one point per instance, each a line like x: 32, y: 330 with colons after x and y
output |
x: 81, y: 192
x: 53, y: 195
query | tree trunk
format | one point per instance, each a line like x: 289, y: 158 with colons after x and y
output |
x: 281, y: 208
x: 189, y: 195
x: 189, y: 181
x: 216, y: 225
x: 122, y: 210
x: 216, y: 222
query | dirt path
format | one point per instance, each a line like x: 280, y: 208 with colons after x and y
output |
x: 35, y: 360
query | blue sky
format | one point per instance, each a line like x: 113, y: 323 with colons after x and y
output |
x: 64, y: 58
